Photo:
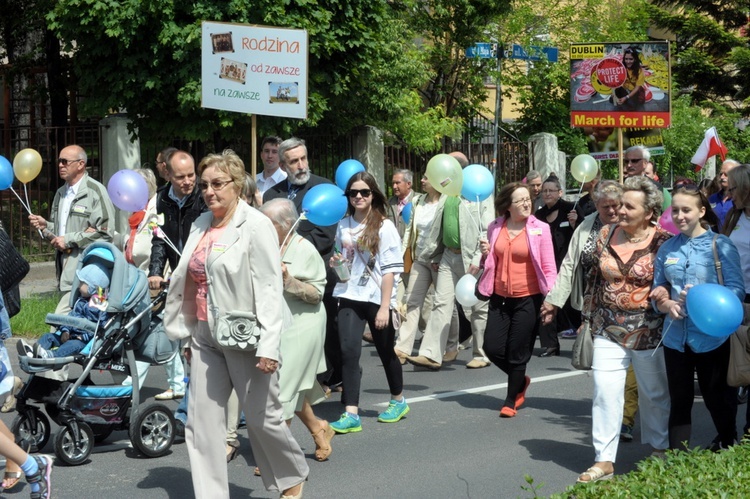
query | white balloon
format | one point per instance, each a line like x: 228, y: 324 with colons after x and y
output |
x: 465, y: 291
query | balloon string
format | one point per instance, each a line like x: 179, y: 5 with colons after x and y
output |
x: 289, y: 234
x: 662, y: 337
x: 26, y: 207
x: 579, y: 192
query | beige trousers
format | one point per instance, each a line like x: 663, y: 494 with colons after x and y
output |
x: 214, y: 372
x: 422, y: 277
x: 439, y: 326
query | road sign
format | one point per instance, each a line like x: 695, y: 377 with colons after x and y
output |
x: 533, y: 53
x: 482, y: 51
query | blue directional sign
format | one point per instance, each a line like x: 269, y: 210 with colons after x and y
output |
x: 482, y: 51
x: 533, y: 53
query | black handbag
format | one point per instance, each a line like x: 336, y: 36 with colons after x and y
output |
x: 12, y: 300
x: 13, y: 266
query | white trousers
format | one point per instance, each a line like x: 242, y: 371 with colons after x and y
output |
x: 436, y: 335
x: 610, y: 368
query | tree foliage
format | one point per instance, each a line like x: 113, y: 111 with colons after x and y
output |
x: 711, y: 55
x: 145, y: 57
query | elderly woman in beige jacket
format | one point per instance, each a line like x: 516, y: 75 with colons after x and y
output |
x: 226, y: 296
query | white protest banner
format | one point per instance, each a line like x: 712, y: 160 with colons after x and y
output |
x: 254, y: 69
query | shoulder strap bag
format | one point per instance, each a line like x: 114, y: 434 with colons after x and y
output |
x: 583, y: 348
x: 738, y: 373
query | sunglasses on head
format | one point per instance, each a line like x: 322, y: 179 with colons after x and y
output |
x: 685, y: 186
x: 365, y: 193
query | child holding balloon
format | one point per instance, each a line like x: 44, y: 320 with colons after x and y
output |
x: 685, y: 261
x: 370, y: 245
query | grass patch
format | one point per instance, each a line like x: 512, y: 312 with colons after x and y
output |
x: 682, y: 475
x: 29, y: 323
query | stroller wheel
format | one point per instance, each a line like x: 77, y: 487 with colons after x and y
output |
x: 154, y: 430
x: 74, y: 451
x: 32, y: 426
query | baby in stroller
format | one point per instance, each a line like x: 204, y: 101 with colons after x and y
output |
x: 91, y: 305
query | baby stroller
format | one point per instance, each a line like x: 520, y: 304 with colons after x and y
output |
x: 87, y: 412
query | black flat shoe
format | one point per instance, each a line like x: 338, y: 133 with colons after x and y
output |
x: 551, y: 351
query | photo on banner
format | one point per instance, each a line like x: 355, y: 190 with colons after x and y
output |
x: 620, y: 85
x: 602, y: 141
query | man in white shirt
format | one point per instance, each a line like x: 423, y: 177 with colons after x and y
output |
x: 271, y: 174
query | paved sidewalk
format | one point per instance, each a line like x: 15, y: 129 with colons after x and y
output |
x: 40, y: 279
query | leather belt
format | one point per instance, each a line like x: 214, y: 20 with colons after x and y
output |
x: 455, y: 251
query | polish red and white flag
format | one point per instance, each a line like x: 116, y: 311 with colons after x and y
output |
x: 711, y: 146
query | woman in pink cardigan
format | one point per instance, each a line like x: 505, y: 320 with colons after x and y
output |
x: 519, y: 270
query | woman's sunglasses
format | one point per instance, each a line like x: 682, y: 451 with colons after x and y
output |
x: 365, y: 193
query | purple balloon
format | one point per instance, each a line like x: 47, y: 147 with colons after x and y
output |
x: 128, y: 191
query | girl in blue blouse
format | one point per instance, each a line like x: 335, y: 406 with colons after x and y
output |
x: 684, y: 261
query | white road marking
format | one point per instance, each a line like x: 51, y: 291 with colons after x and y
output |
x: 482, y: 389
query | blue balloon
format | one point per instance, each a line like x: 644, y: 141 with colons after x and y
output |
x: 346, y: 170
x: 406, y: 213
x: 324, y: 204
x: 6, y: 173
x: 478, y: 183
x: 714, y: 309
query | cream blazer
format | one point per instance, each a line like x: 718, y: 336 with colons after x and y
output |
x: 244, y: 273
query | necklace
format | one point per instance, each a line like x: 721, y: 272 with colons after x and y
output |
x: 632, y: 240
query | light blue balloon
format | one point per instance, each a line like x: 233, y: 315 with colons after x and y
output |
x: 324, y: 204
x: 406, y: 213
x: 346, y: 170
x: 714, y: 309
x: 478, y: 183
x: 6, y: 173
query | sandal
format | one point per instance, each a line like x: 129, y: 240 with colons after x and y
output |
x: 322, y: 439
x: 594, y: 474
x: 10, y: 401
x: 233, y: 447
x: 256, y: 471
x: 11, y: 475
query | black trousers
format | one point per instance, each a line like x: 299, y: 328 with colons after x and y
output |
x: 512, y: 325
x: 720, y: 398
x: 353, y: 315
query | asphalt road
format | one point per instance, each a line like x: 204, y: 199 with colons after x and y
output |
x: 451, y: 445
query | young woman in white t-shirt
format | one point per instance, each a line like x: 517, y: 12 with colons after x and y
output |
x: 369, y: 244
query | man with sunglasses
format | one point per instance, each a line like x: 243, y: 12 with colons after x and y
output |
x: 721, y: 202
x: 81, y: 214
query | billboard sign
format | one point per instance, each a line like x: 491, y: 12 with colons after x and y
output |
x: 254, y: 69
x: 620, y: 85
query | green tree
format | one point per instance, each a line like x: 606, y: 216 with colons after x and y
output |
x: 145, y: 57
x: 711, y: 55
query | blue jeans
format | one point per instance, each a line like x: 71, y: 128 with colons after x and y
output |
x: 181, y: 412
x: 70, y: 347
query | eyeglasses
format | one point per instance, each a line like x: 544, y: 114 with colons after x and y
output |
x: 685, y: 186
x: 521, y: 202
x: 66, y: 162
x: 365, y: 193
x: 628, y: 161
x: 550, y: 191
x: 216, y: 185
